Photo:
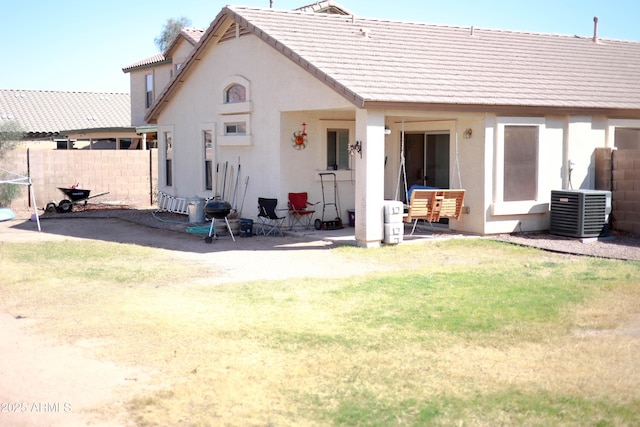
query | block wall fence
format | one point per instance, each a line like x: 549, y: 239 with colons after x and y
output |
x: 619, y: 172
x: 129, y: 176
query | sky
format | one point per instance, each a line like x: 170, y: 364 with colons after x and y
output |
x: 80, y: 45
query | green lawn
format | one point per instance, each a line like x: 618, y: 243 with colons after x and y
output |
x: 464, y: 332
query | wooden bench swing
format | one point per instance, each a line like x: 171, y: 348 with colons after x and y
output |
x: 432, y: 205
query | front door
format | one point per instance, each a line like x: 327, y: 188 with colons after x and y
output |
x: 427, y: 159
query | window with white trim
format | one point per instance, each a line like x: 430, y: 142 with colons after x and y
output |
x: 337, y: 149
x: 520, y: 163
x: 207, y: 139
x: 235, y: 128
x: 235, y: 93
x: 148, y: 90
x: 168, y: 156
x: 627, y: 138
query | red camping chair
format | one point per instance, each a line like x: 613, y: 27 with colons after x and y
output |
x: 299, y: 212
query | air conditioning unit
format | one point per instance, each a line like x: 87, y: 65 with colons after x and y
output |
x: 579, y: 213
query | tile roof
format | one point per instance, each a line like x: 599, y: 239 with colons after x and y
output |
x: 191, y: 35
x: 392, y: 61
x: 50, y: 112
x: 152, y: 60
x: 328, y: 6
x: 402, y: 64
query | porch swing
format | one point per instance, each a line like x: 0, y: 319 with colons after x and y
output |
x: 428, y: 204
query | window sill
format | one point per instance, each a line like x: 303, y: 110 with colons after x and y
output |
x: 341, y: 174
x: 519, y: 208
x: 234, y: 140
x: 236, y: 108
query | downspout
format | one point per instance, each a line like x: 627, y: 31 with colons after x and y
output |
x: 565, y: 155
x: 29, y: 176
x: 150, y: 176
x: 456, y: 164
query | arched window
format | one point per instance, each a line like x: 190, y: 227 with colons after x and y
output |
x: 235, y: 93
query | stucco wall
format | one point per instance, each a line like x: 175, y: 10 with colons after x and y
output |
x: 138, y: 87
x: 561, y: 139
x: 125, y: 174
x: 274, y: 168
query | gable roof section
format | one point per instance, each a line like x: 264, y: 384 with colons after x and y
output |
x: 328, y: 6
x: 393, y: 63
x: 47, y: 113
x: 191, y: 35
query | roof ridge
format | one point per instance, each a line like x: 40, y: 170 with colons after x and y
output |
x: 358, y: 19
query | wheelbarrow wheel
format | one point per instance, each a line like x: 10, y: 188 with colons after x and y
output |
x: 65, y: 205
x: 208, y: 239
x: 51, y: 207
x: 318, y: 224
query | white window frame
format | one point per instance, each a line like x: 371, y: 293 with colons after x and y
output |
x: 148, y: 94
x: 540, y: 203
x: 327, y: 125
x: 208, y: 127
x: 235, y: 128
x: 619, y: 124
x: 225, y: 138
x: 337, y: 148
x: 162, y: 134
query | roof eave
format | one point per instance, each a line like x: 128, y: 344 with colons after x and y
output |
x: 145, y: 66
x: 104, y: 130
x: 504, y: 109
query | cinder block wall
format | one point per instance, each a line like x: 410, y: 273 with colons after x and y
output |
x: 625, y: 186
x: 603, y: 169
x: 129, y: 176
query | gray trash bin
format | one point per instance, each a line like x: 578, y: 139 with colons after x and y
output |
x: 196, y: 210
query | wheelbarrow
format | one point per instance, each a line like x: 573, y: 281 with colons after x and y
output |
x: 73, y: 197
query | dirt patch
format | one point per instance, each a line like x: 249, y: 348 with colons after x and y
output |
x: 38, y: 371
x: 44, y: 383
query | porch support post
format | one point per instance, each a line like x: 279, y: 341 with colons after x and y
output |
x: 369, y: 178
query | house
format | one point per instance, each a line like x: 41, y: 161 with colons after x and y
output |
x: 149, y: 76
x: 61, y: 119
x: 508, y: 116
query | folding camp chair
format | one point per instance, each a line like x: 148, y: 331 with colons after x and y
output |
x: 299, y: 214
x: 269, y: 221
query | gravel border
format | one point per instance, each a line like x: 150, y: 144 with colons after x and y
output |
x: 613, y: 246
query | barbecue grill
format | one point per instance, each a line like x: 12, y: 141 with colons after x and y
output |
x: 217, y: 209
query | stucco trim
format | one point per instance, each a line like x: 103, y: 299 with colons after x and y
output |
x: 519, y: 208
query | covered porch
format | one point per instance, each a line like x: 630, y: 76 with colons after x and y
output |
x: 377, y: 155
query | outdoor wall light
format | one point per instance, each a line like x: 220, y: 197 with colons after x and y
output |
x: 387, y: 131
x: 467, y: 133
x: 356, y: 148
